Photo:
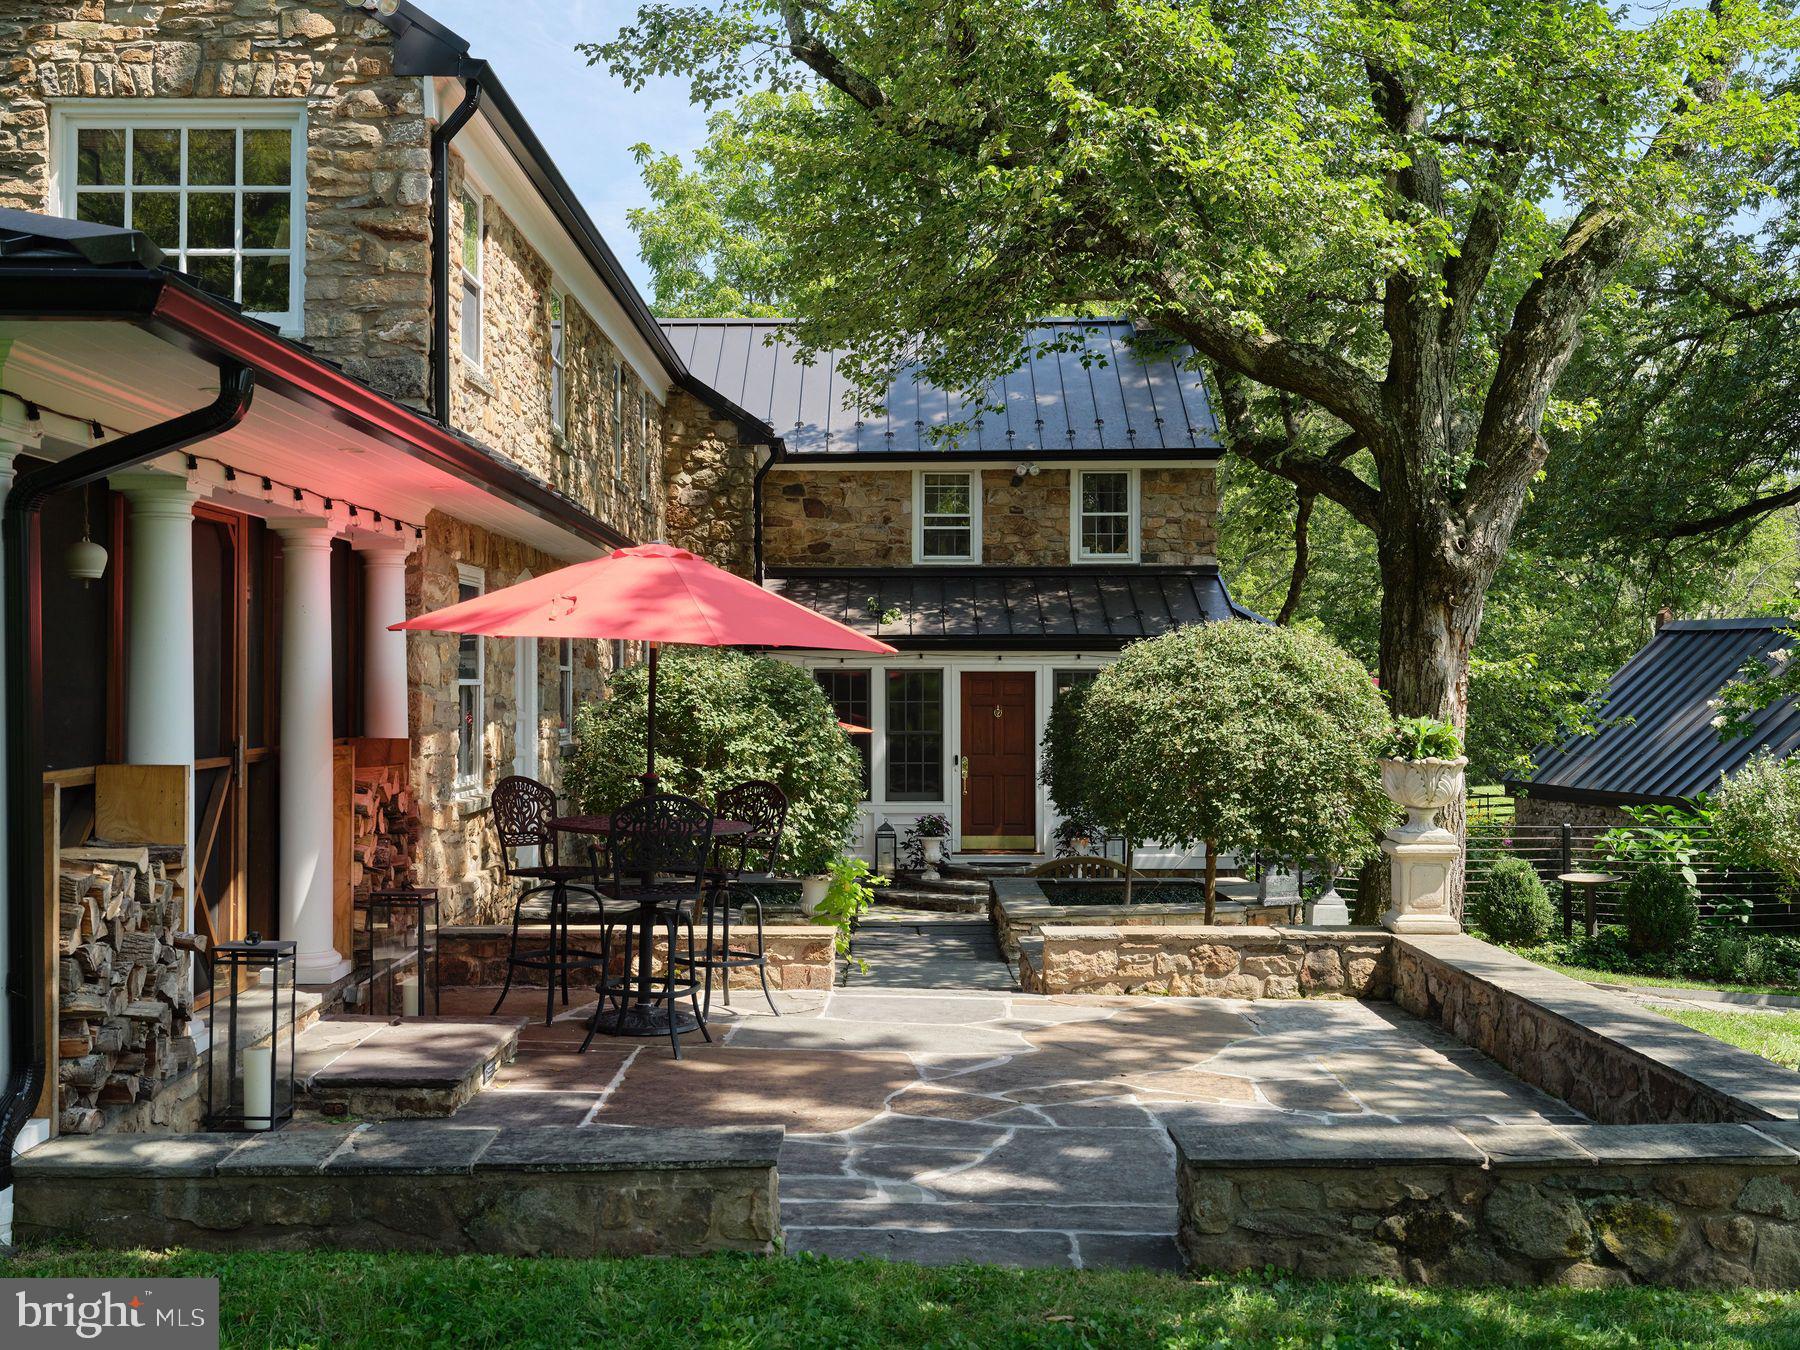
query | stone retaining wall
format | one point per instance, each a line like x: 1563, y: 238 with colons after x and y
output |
x: 1715, y: 1206
x: 1018, y: 907
x: 1195, y: 960
x: 801, y: 956
x: 1605, y: 1055
x: 600, y: 1191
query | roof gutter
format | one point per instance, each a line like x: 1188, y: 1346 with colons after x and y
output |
x: 27, y: 1034
x: 424, y: 47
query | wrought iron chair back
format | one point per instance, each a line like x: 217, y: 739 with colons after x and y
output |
x: 1083, y: 867
x: 763, y: 807
x: 665, y: 833
x: 523, y: 809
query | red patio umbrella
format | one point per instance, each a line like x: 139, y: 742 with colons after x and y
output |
x: 653, y: 593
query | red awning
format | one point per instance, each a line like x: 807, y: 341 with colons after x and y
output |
x: 649, y: 593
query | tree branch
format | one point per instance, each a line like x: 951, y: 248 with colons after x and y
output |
x: 1724, y: 520
x: 1319, y: 475
x: 1466, y: 272
x: 1303, y: 505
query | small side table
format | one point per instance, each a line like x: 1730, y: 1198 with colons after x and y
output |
x: 409, y: 918
x: 1589, y: 884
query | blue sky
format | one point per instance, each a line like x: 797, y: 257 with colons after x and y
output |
x: 588, y: 119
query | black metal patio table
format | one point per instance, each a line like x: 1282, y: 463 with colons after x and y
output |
x: 646, y: 1017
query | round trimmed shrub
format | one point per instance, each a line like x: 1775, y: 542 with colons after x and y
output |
x: 723, y: 717
x: 1659, y: 908
x: 1512, y: 905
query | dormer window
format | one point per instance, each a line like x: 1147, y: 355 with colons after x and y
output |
x: 948, y: 512
x: 1105, y: 506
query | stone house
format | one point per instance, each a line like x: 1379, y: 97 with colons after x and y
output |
x: 478, y: 394
x: 1008, y: 546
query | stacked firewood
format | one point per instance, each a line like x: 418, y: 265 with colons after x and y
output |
x: 125, y: 980
x: 385, y: 836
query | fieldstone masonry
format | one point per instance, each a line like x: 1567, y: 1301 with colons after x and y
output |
x: 801, y: 956
x: 1591, y: 1206
x: 711, y: 477
x: 1197, y: 961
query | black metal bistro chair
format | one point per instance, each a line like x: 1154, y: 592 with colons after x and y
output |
x: 523, y: 809
x: 763, y: 807
x: 659, y: 849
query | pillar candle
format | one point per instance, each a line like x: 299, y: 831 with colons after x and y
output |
x: 259, y: 1087
x: 409, y: 996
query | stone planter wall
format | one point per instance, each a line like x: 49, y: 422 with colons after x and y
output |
x: 1194, y: 960
x: 801, y: 956
x: 1017, y: 907
x: 408, y: 1187
x: 1603, y: 1054
x: 1715, y: 1206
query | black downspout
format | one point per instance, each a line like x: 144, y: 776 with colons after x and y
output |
x: 441, y: 137
x: 24, y: 709
x: 756, y: 514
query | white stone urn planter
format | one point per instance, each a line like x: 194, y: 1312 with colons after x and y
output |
x: 1422, y: 854
x: 812, y: 893
x: 934, y: 854
x: 1424, y: 787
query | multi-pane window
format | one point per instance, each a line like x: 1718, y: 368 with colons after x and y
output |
x: 470, y: 676
x: 222, y: 201
x: 565, y: 690
x: 644, y: 446
x: 1064, y: 680
x: 946, y: 517
x: 1103, y: 504
x: 559, y: 363
x: 915, y: 735
x: 848, y: 691
x: 618, y: 421
x: 471, y: 277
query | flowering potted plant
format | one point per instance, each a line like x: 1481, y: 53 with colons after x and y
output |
x: 1422, y: 764
x: 930, y: 831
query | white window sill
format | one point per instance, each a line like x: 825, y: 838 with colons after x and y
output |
x: 469, y: 800
x: 473, y: 376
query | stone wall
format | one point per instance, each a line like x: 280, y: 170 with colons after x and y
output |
x: 1589, y: 1206
x: 1197, y: 961
x: 368, y: 148
x: 1550, y: 813
x: 837, y: 518
x: 459, y: 851
x: 506, y: 402
x: 405, y: 1186
x: 710, y: 484
x: 1027, y: 525
x: 1018, y: 908
x: 801, y: 956
x: 1179, y: 515
x: 1609, y: 1058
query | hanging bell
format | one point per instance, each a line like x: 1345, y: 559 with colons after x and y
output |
x: 85, y: 561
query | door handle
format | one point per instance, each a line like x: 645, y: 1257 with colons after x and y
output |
x: 965, y: 775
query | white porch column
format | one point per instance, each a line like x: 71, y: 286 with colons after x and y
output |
x: 384, y: 653
x: 159, y: 627
x: 159, y: 656
x: 306, y: 862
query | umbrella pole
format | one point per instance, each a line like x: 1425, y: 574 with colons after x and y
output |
x: 650, y: 738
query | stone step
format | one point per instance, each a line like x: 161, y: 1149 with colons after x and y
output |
x: 378, y: 1068
x: 939, y: 902
x: 946, y: 884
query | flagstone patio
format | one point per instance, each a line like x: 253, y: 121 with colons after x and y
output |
x: 938, y: 1124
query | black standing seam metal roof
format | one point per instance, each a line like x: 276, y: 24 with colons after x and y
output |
x: 1066, y: 607
x: 1658, y: 742
x: 1121, y: 401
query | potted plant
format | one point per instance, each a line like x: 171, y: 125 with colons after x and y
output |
x: 931, y: 830
x: 812, y: 862
x: 849, y: 892
x: 1422, y: 764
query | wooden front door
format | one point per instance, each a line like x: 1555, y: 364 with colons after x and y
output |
x: 999, y: 761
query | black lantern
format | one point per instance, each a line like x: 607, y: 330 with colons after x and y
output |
x: 253, y: 1027
x: 400, y: 950
x: 887, y: 850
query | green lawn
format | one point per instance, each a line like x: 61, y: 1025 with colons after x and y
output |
x: 342, y: 1299
x: 1593, y: 976
x: 1772, y: 1035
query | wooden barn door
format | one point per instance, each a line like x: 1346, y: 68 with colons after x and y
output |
x: 999, y: 750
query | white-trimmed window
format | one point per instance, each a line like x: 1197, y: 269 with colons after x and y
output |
x: 472, y: 227
x: 1104, y: 528
x: 221, y: 189
x: 618, y: 420
x: 559, y: 362
x: 947, y: 509
x: 565, y: 690
x: 644, y: 425
x: 618, y: 654
x: 471, y: 690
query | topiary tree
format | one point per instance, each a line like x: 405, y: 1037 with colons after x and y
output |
x: 1239, y: 736
x: 1756, y: 818
x: 723, y: 717
x: 1512, y: 905
x: 1659, y: 909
